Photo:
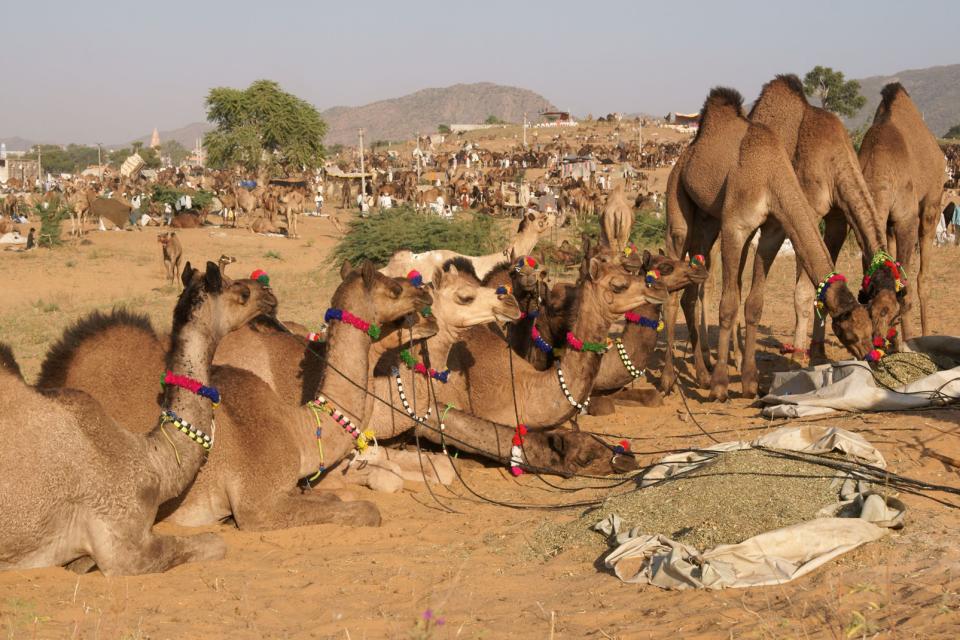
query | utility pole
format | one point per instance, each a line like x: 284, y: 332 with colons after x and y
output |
x: 40, y: 167
x: 524, y: 129
x: 99, y: 163
x: 419, y: 154
x: 363, y: 177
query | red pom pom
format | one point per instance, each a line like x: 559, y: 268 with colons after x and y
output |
x: 516, y: 471
x: 522, y: 429
x: 625, y: 444
x: 517, y: 440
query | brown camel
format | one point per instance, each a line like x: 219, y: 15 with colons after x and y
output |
x: 265, y: 444
x: 545, y: 398
x: 171, y: 252
x: 616, y: 221
x: 904, y: 169
x: 829, y: 174
x: 533, y: 225
x: 97, y: 503
x: 733, y: 179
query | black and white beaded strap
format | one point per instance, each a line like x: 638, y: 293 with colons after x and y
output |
x: 188, y: 429
x: 627, y: 362
x: 406, y: 405
x: 581, y: 407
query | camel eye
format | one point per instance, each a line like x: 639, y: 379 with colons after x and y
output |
x: 666, y: 269
x: 244, y: 295
x: 468, y: 299
x: 618, y: 287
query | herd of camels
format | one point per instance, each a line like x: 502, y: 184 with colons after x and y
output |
x: 250, y: 411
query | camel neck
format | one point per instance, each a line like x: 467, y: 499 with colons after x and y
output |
x: 523, y: 243
x: 177, y: 457
x: 348, y: 350
x: 639, y: 340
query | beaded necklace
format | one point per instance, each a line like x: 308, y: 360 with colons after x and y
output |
x: 195, y: 434
x: 538, y: 340
x: 422, y: 369
x: 363, y: 438
x: 319, y: 432
x: 649, y: 323
x: 627, y: 362
x: 403, y: 399
x: 581, y: 406
x: 191, y: 385
x: 371, y: 330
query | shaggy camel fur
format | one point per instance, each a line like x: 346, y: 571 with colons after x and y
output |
x: 732, y: 180
x: 829, y: 175
x: 904, y: 168
x: 533, y: 225
x: 265, y: 444
x: 172, y: 251
x: 97, y: 502
x: 480, y: 364
x: 616, y: 221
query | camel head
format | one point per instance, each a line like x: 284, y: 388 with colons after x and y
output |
x: 219, y: 303
x: 674, y: 274
x: 578, y: 452
x: 378, y: 299
x: 165, y: 237
x: 618, y: 289
x: 460, y: 301
x: 884, y: 300
x: 851, y: 321
x: 528, y: 280
x: 537, y: 221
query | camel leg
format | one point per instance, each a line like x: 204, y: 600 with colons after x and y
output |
x: 704, y: 242
x: 905, y: 232
x: 734, y: 247
x: 151, y: 553
x: 668, y: 376
x: 834, y: 235
x: 283, y: 511
x: 771, y: 238
x: 928, y: 232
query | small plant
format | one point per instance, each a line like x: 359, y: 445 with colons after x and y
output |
x: 46, y: 307
x: 426, y: 625
x: 272, y: 255
x: 50, y: 221
x: 70, y: 264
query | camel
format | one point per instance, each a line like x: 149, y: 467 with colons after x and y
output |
x: 265, y: 443
x: 904, y: 169
x: 532, y: 227
x: 223, y: 261
x: 78, y: 204
x: 83, y: 491
x: 733, y: 179
x: 546, y: 398
x: 616, y: 221
x: 829, y: 175
x: 171, y: 252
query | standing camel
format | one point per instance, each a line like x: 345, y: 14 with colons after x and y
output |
x: 733, y: 179
x: 171, y: 252
x: 904, y: 168
x: 80, y: 490
x: 616, y: 221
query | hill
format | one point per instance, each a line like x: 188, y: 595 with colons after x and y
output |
x: 401, y: 118
x: 935, y: 90
x: 16, y: 143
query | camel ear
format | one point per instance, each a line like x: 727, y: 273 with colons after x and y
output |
x: 345, y: 269
x: 212, y: 280
x: 531, y: 217
x: 438, y: 277
x: 187, y: 275
x: 557, y: 443
x: 594, y: 269
x: 369, y: 273
x: 646, y: 258
x: 660, y: 251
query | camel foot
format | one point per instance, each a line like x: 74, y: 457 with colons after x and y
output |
x: 601, y: 406
x: 703, y: 378
x: 750, y: 383
x: 357, y: 514
x: 84, y: 564
x: 667, y: 380
x: 639, y: 397
x: 719, y: 389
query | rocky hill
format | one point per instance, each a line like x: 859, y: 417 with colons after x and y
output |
x: 935, y: 90
x: 401, y: 118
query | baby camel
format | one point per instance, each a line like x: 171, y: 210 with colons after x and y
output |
x: 78, y: 489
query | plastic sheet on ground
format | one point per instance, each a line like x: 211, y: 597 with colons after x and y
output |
x: 770, y: 558
x: 850, y: 386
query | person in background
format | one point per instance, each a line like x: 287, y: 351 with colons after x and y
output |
x: 31, y: 243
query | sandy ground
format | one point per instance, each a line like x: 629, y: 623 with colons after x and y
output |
x: 474, y: 567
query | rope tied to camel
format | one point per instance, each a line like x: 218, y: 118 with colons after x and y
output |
x: 342, y: 315
x: 191, y: 385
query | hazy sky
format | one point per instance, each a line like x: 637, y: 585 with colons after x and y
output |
x: 110, y: 71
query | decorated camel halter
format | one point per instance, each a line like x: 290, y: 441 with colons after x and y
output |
x: 538, y: 340
x: 525, y: 261
x: 698, y: 261
x: 821, y: 299
x: 421, y: 368
x: 319, y: 434
x: 371, y: 330
x: 880, y: 346
x: 649, y: 323
x: 629, y: 249
x: 580, y: 406
x: 406, y: 404
x: 261, y: 276
x: 363, y: 438
x: 191, y: 385
x: 504, y: 290
x: 577, y: 344
x: 882, y: 259
x: 415, y: 278
x: 195, y: 434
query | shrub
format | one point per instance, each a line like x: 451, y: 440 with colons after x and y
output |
x: 647, y: 231
x: 50, y: 221
x: 169, y: 195
x: 380, y: 236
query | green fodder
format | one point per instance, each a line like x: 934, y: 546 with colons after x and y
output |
x: 381, y: 235
x: 899, y: 369
x: 51, y: 219
x: 737, y: 496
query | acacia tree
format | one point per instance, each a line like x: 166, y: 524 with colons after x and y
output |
x: 835, y: 93
x: 953, y: 132
x: 262, y: 126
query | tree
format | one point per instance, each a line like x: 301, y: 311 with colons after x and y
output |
x: 262, y: 126
x: 954, y: 132
x: 493, y: 120
x: 175, y: 151
x: 443, y: 128
x: 835, y: 93
x: 70, y: 159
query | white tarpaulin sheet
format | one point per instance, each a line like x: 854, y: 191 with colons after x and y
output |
x: 850, y: 386
x: 770, y: 558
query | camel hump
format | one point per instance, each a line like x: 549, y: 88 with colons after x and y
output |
x: 8, y: 363
x: 724, y: 96
x: 57, y: 362
x: 890, y: 91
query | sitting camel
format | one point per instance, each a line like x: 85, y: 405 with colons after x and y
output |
x: 97, y: 501
x: 265, y: 444
x: 533, y: 225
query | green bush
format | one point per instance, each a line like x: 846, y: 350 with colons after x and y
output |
x: 381, y: 235
x: 50, y: 221
x: 169, y: 195
x: 648, y: 230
